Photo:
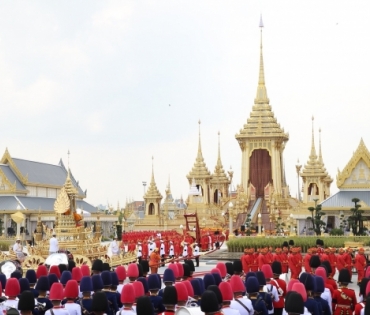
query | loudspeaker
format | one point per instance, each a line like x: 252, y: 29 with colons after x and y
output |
x: 242, y: 228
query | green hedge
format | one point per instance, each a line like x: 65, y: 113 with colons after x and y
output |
x: 238, y: 244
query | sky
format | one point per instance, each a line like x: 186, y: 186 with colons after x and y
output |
x: 116, y: 83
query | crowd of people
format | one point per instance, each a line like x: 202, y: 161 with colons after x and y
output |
x: 255, y: 284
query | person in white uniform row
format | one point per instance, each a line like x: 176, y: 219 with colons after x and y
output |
x: 53, y: 244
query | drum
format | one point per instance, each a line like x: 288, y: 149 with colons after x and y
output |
x: 189, y: 311
x: 7, y: 267
x: 57, y: 259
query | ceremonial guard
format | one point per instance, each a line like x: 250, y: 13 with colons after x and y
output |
x: 240, y: 303
x: 171, y: 250
x: 56, y: 296
x: 154, y: 285
x: 169, y: 300
x: 185, y: 250
x: 209, y: 303
x: 196, y: 253
x: 319, y: 289
x: 333, y: 261
x: 71, y: 294
x: 26, y: 303
x: 360, y: 264
x: 258, y: 302
x: 32, y: 279
x: 348, y: 261
x: 227, y: 297
x: 111, y: 296
x: 295, y: 265
x: 151, y: 247
x: 162, y: 252
x: 344, y: 299
x: 139, y: 252
x: 128, y: 300
x: 307, y: 280
x: 144, y: 306
x: 99, y: 303
x: 42, y: 286
x: 86, y: 288
x: 294, y: 304
x: 12, y: 290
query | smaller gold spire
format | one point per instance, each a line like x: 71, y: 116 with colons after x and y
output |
x: 313, y: 156
x: 261, y: 97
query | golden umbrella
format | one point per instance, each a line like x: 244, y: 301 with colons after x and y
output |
x: 18, y: 217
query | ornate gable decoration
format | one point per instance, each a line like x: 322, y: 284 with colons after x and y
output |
x: 7, y: 159
x: 5, y: 185
x: 356, y: 174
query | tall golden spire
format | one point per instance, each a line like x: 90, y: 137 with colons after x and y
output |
x: 261, y: 97
x: 219, y: 175
x: 152, y: 191
x: 313, y: 156
x: 199, y: 169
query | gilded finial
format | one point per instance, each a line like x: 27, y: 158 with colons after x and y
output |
x: 261, y: 96
x: 313, y: 156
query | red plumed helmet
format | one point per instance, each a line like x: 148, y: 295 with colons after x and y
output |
x: 174, y: 268
x: 56, y: 292
x: 85, y: 270
x: 216, y: 270
x: 128, y: 294
x: 267, y: 271
x: 12, y: 287
x: 138, y: 288
x: 41, y: 271
x: 121, y: 273
x: 189, y: 288
x: 132, y: 271
x: 55, y: 269
x: 76, y: 274
x: 226, y: 291
x: 182, y: 293
x: 180, y: 270
x: 71, y: 289
x: 222, y: 267
x: 237, y: 284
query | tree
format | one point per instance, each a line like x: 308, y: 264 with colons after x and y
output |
x: 356, y: 220
x: 315, y: 218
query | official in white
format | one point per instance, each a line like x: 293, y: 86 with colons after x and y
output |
x: 18, y: 249
x: 114, y: 247
x: 53, y: 244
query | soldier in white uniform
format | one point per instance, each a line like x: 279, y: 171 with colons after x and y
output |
x: 151, y: 247
x: 162, y: 252
x: 196, y: 252
x: 185, y: 250
x: 171, y: 250
x: 139, y: 252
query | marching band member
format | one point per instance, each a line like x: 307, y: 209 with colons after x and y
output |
x: 360, y: 264
x: 56, y: 296
x: 12, y: 290
x: 71, y: 294
x: 169, y: 300
x: 344, y: 299
x: 86, y: 287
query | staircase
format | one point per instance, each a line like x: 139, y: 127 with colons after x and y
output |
x: 253, y: 212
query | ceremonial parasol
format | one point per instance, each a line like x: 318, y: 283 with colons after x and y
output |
x: 17, y: 217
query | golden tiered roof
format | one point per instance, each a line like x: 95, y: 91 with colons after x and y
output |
x: 315, y: 164
x: 262, y: 122
x: 219, y: 175
x: 152, y: 192
x: 355, y: 175
x: 199, y: 170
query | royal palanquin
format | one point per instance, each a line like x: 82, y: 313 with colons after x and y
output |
x: 84, y: 243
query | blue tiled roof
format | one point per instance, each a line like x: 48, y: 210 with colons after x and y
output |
x: 43, y: 173
x: 343, y: 198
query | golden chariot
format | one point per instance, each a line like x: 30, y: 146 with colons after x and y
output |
x: 82, y: 242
